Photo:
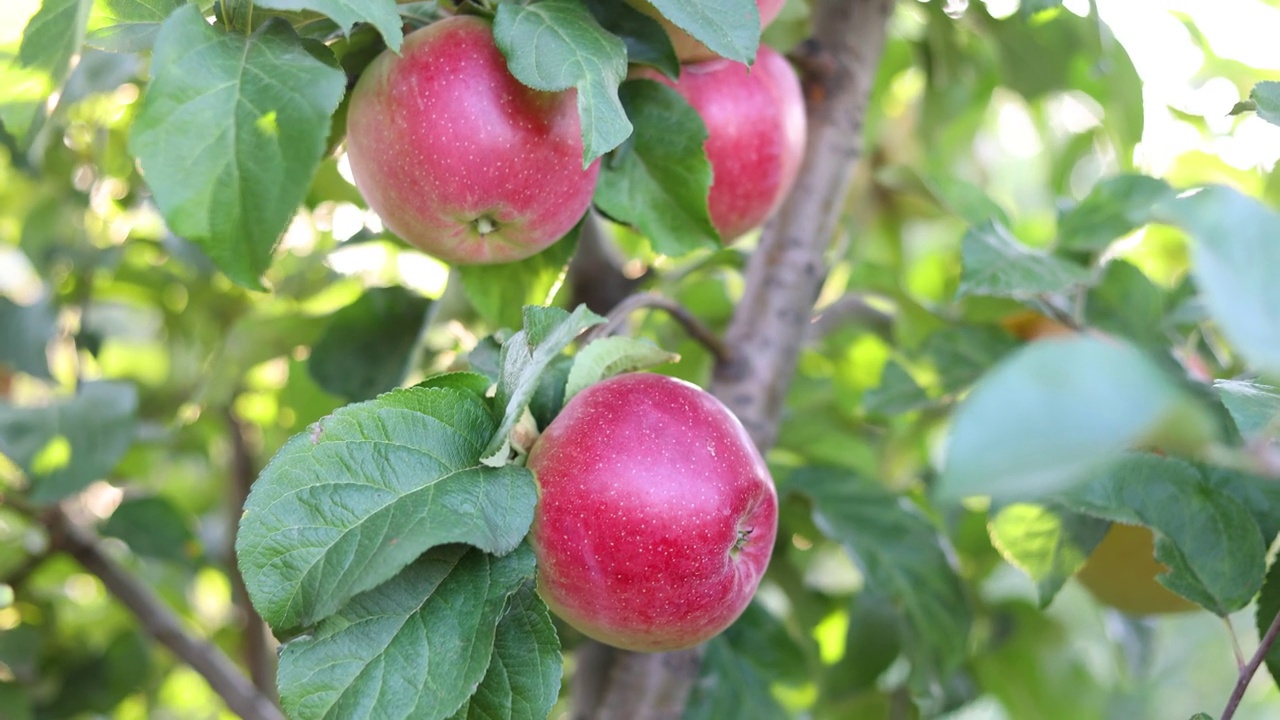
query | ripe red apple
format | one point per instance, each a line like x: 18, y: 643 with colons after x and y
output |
x: 690, y: 50
x: 656, y: 514
x: 457, y: 156
x: 755, y: 134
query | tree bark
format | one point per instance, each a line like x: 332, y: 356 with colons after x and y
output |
x: 784, y: 277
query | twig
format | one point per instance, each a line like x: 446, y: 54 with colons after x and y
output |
x: 259, y: 655
x: 160, y: 621
x: 847, y: 310
x: 1248, y: 671
x: 1235, y: 644
x: 617, y: 317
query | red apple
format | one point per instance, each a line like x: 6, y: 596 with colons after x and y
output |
x: 690, y: 50
x: 457, y: 156
x: 656, y: 514
x: 755, y: 134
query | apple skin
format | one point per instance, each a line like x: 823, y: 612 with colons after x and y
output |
x: 646, y: 485
x: 458, y: 157
x: 756, y: 130
x: 688, y: 49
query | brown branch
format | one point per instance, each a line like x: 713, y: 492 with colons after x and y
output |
x: 1248, y: 671
x: 595, y: 275
x: 617, y: 317
x: 259, y: 651
x: 160, y: 621
x: 787, y: 270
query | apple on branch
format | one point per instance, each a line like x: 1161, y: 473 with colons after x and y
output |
x: 656, y: 515
x: 458, y: 157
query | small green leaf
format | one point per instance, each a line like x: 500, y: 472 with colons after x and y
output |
x: 555, y: 45
x: 49, y: 42
x: 367, y: 347
x: 962, y: 198
x: 25, y: 332
x: 996, y: 264
x: 602, y: 359
x: 729, y: 28
x: 765, y: 641
x: 963, y: 353
x: 730, y: 686
x: 230, y: 131
x: 1268, y: 607
x: 382, y: 14
x: 415, y: 647
x: 1049, y: 544
x: 523, y: 679
x: 65, y: 446
x: 899, y: 553
x: 498, y: 292
x: 1266, y: 100
x: 1115, y: 207
x: 1050, y: 415
x: 1206, y: 537
x: 127, y: 25
x: 646, y: 40
x: 347, y: 504
x: 660, y: 180
x: 897, y: 393
x: 1254, y: 407
x: 103, y: 680
x: 1233, y: 258
x: 525, y: 355
x: 549, y: 398
x: 153, y: 527
x: 1128, y: 304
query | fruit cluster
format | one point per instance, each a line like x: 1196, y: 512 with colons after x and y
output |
x: 466, y: 163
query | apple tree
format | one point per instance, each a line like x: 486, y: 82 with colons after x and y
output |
x: 638, y: 359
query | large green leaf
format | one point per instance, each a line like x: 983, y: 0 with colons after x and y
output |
x: 368, y: 344
x: 154, y: 527
x: 555, y: 45
x: 1236, y: 249
x: 1126, y: 303
x: 900, y: 554
x: 67, y: 445
x: 382, y: 14
x: 730, y: 28
x: 1115, y: 207
x: 660, y: 180
x: 414, y: 648
x: 25, y: 332
x: 996, y: 264
x: 499, y: 292
x: 1054, y: 412
x: 525, y: 356
x: 1049, y: 544
x: 347, y: 504
x: 523, y: 679
x: 1207, y: 538
x: 230, y: 131
x: 127, y: 25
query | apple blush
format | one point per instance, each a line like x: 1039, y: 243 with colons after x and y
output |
x: 656, y: 515
x: 458, y: 157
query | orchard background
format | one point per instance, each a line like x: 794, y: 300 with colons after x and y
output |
x: 1022, y: 289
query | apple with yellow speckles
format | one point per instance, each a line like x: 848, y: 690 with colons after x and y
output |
x: 656, y: 515
x: 458, y: 157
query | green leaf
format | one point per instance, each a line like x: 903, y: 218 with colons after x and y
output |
x: 555, y: 45
x: 523, y: 679
x: 525, y: 355
x: 230, y: 131
x: 872, y: 643
x: 730, y: 686
x: 1254, y: 407
x: 1115, y: 207
x: 50, y: 40
x: 1128, y: 304
x: 962, y: 198
x: 97, y: 685
x: 729, y: 28
x: 996, y: 264
x: 660, y: 180
x: 961, y: 354
x: 899, y: 553
x: 1207, y: 538
x: 1233, y: 258
x: 1050, y: 415
x: 65, y: 446
x: 1266, y: 100
x: 414, y: 647
x: 602, y: 359
x: 474, y: 383
x: 25, y: 332
x: 153, y: 527
x: 498, y: 292
x: 127, y: 25
x: 764, y: 640
x: 1047, y: 543
x: 382, y: 14
x: 549, y: 398
x: 15, y: 702
x: 1028, y: 8
x: 1268, y: 608
x: 367, y: 347
x: 346, y: 505
x: 1260, y: 495
x: 646, y: 40
x: 897, y: 393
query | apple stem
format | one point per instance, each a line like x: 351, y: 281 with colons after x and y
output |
x: 1248, y: 671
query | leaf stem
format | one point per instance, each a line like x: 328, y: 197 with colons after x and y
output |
x: 1248, y: 671
x: 617, y: 317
